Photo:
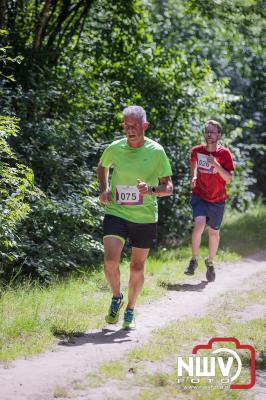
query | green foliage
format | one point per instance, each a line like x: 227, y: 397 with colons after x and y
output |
x: 16, y: 187
x: 31, y: 315
x: 230, y: 36
x: 69, y: 95
x: 16, y: 182
x: 61, y: 235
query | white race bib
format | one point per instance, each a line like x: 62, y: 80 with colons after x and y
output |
x: 203, y: 164
x: 128, y: 195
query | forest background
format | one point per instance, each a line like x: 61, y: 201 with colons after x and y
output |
x: 68, y: 68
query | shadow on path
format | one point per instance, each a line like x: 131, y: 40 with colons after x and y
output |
x: 261, y: 378
x: 259, y: 256
x: 187, y: 287
x: 105, y: 336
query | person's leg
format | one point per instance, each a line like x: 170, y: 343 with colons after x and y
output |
x: 112, y: 253
x: 199, y: 208
x: 214, y: 238
x: 142, y: 238
x: 135, y: 284
x: 197, y: 232
x: 214, y: 220
x: 199, y: 225
x: 136, y: 280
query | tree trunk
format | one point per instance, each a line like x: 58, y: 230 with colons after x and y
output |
x: 2, y: 13
x: 41, y: 24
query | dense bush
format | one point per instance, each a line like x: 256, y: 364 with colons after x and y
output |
x: 230, y: 36
x: 16, y: 183
x: 79, y: 71
x: 16, y: 189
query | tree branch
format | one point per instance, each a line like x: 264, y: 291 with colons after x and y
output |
x: 77, y: 21
x: 67, y: 10
x: 41, y: 23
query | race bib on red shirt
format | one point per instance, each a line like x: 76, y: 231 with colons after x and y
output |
x: 203, y: 164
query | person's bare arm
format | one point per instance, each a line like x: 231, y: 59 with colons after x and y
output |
x: 193, y: 172
x: 103, y: 175
x: 165, y: 188
x: 227, y: 176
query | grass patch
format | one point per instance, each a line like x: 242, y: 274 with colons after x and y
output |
x: 113, y: 370
x: 78, y: 385
x: 239, y: 300
x: 168, y: 341
x: 95, y: 380
x: 244, y: 233
x: 32, y: 317
x: 61, y: 393
x: 154, y: 364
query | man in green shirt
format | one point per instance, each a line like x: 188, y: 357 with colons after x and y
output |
x: 141, y: 172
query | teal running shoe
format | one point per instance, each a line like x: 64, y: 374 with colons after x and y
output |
x: 129, y: 320
x: 114, y: 309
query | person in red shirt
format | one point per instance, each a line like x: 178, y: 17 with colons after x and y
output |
x: 211, y: 169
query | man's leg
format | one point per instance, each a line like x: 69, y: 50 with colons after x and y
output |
x: 135, y: 284
x: 136, y: 280
x: 142, y: 237
x: 112, y: 253
x: 199, y: 225
x: 214, y: 238
x: 215, y: 217
x: 197, y: 232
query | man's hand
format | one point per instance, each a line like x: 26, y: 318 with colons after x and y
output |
x: 142, y: 187
x: 193, y: 182
x: 212, y: 161
x: 227, y: 176
x: 105, y: 197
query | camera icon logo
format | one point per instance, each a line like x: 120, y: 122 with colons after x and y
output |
x: 221, y: 366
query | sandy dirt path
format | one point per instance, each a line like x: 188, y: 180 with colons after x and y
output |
x: 36, y: 378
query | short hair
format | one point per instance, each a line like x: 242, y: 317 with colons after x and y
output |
x: 137, y: 111
x: 214, y: 123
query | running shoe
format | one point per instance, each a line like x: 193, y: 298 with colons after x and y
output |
x: 129, y: 320
x: 193, y: 264
x: 114, y: 309
x: 210, y: 274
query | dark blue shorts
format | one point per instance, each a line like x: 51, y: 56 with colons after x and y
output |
x: 213, y: 212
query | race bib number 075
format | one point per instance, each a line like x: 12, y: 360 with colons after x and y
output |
x: 128, y: 195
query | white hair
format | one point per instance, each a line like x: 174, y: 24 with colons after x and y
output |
x: 137, y: 111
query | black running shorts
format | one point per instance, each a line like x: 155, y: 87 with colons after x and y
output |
x: 140, y: 235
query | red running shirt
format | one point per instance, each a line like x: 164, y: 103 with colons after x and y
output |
x: 210, y: 186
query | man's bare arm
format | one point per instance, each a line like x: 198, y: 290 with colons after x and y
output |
x: 165, y: 187
x: 227, y: 176
x: 103, y: 175
x: 193, y: 172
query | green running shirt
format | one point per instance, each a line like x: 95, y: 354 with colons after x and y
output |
x: 147, y: 163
